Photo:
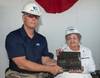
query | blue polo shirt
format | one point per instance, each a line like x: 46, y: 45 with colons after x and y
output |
x: 19, y: 44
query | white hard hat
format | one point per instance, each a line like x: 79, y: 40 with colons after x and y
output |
x: 70, y: 30
x: 32, y: 8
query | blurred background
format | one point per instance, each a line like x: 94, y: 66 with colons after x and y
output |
x: 84, y: 15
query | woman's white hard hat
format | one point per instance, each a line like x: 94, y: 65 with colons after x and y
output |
x: 32, y: 8
x: 71, y: 30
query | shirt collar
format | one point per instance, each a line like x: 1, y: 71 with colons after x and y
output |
x: 24, y: 33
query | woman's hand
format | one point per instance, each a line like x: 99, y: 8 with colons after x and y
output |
x: 77, y: 70
x: 58, y: 51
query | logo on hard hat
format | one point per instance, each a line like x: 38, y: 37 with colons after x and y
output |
x: 71, y: 29
x: 34, y: 8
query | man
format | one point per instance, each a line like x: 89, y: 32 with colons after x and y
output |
x: 73, y: 39
x: 27, y: 50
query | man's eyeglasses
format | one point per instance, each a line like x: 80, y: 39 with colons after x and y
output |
x: 31, y: 15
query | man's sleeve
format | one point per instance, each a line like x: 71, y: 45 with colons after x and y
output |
x: 14, y: 46
x: 45, y: 50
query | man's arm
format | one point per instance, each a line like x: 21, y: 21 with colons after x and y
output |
x: 48, y: 61
x: 25, y: 64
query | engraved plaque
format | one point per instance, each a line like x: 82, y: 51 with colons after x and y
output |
x: 69, y: 60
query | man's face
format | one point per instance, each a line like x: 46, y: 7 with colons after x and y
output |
x: 31, y: 21
x: 73, y: 40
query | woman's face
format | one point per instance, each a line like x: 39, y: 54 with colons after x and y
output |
x: 73, y: 40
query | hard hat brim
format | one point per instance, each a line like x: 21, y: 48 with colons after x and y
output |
x: 31, y: 13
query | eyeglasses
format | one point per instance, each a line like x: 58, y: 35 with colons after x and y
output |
x: 31, y: 15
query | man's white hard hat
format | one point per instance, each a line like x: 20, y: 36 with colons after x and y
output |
x: 32, y: 8
x: 71, y: 30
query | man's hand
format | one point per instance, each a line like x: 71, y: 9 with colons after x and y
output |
x: 55, y: 69
x: 48, y: 61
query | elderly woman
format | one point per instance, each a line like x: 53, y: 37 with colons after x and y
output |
x: 73, y: 38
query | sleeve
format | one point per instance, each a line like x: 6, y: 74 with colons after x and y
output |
x: 45, y: 49
x: 91, y: 63
x: 14, y: 46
